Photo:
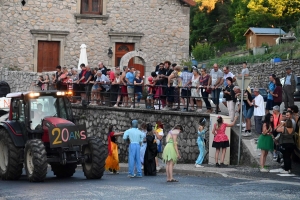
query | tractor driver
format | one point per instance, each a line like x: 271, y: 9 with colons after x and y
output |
x: 38, y: 116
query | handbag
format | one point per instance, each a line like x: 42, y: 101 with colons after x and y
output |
x: 208, y: 90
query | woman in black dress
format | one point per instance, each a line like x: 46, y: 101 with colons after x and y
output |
x: 151, y: 152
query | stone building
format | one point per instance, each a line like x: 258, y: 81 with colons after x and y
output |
x: 38, y: 35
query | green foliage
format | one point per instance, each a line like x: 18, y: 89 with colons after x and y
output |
x: 203, y: 52
x: 223, y: 22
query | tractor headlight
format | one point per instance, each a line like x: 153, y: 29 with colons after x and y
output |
x: 34, y: 94
x: 59, y: 93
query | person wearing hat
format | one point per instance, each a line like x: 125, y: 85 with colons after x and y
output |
x: 271, y: 88
x: 259, y: 112
x: 289, y: 87
x: 135, y: 137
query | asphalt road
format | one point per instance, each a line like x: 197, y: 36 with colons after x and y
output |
x: 121, y: 187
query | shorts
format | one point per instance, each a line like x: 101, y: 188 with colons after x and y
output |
x: 95, y: 87
x: 185, y: 93
x: 248, y: 113
x: 124, y: 91
x: 150, y: 96
x: 130, y: 91
x: 82, y: 87
x: 269, y: 105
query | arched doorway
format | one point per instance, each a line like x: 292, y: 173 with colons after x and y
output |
x: 141, y: 66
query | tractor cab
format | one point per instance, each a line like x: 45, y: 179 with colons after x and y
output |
x: 29, y: 109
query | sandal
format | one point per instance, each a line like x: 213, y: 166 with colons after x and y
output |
x: 173, y: 180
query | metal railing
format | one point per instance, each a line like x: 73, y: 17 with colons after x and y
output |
x: 159, y: 101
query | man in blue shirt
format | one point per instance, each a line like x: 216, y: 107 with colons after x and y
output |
x: 289, y: 88
x: 136, y: 138
x: 271, y: 88
x: 130, y: 81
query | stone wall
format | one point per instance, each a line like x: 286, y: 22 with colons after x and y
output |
x: 98, y: 119
x: 161, y: 27
x: 261, y: 71
x: 21, y: 81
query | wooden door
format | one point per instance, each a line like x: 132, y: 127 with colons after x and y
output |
x: 48, y: 56
x: 121, y: 50
x: 141, y: 68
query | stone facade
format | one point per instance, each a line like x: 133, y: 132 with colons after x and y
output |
x: 160, y: 28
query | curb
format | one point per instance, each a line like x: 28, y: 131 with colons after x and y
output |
x: 180, y: 171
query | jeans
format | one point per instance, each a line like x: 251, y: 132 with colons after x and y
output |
x: 201, y: 146
x: 215, y: 95
x: 139, y: 96
x: 205, y: 99
x: 134, y: 159
x: 258, y: 124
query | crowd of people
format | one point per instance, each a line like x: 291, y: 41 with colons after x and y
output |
x: 180, y: 88
x: 144, y: 147
x: 169, y: 86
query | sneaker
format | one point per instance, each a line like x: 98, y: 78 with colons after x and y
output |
x: 139, y: 176
x: 217, y: 165
x: 199, y: 110
x: 131, y: 176
x: 198, y: 166
x: 263, y: 170
x: 131, y: 106
x: 116, y: 106
x: 115, y: 171
x: 103, y: 103
x: 166, y: 108
x: 246, y: 134
x: 244, y: 129
x: 158, y: 168
x: 223, y: 165
x: 285, y: 172
x: 243, y: 125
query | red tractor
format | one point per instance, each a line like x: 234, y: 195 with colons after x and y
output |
x: 39, y: 130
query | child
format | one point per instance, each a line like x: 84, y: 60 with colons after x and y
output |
x: 46, y: 82
x: 96, y: 89
x: 112, y: 160
x: 151, y: 90
x: 221, y: 139
x: 40, y: 82
x: 138, y: 82
x: 201, y: 142
x: 117, y: 81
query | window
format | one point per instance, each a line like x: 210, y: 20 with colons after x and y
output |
x: 250, y: 40
x: 91, y: 7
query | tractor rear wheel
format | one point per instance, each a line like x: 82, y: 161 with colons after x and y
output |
x: 63, y: 171
x: 10, y: 158
x: 35, y: 160
x: 93, y: 168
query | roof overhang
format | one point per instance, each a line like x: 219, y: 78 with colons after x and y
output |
x: 189, y: 2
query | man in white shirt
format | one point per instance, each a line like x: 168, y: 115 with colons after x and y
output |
x: 216, y: 82
x: 259, y: 112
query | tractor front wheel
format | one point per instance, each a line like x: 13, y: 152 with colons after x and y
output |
x: 97, y: 153
x: 10, y: 158
x: 35, y: 160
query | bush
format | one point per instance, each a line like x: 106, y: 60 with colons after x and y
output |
x: 203, y: 52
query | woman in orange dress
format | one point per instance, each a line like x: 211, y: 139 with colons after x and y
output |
x: 112, y: 160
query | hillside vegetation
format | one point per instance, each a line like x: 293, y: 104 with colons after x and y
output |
x: 218, y: 26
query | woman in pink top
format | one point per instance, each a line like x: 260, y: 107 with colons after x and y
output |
x: 221, y: 139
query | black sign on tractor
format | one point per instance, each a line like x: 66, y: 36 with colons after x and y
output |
x: 67, y: 136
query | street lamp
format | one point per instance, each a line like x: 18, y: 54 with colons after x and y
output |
x: 110, y: 53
